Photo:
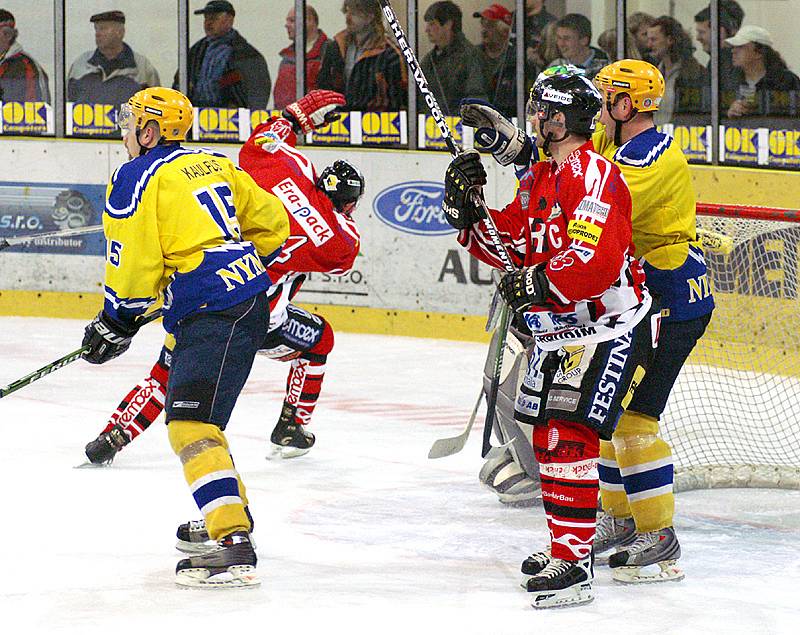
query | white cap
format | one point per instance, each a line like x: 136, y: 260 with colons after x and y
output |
x: 750, y: 33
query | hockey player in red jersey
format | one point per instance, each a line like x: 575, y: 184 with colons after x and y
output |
x: 581, y: 293
x: 323, y: 238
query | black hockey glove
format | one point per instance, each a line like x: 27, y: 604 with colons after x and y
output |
x: 106, y: 338
x: 464, y: 175
x: 524, y: 288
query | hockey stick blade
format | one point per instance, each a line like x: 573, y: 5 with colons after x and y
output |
x: 454, y: 445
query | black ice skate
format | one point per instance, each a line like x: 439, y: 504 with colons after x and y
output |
x: 193, y: 536
x: 289, y: 438
x: 562, y: 583
x: 535, y: 564
x: 612, y: 533
x: 104, y: 448
x: 231, y: 565
x: 651, y: 557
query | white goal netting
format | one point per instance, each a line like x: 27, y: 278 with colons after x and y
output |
x: 733, y: 419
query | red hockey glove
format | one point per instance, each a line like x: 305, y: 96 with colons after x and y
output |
x: 315, y: 109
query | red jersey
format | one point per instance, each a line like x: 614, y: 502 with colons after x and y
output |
x: 320, y: 238
x: 575, y: 219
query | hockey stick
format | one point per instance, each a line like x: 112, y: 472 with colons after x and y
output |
x: 494, y: 387
x: 441, y: 123
x: 36, y: 375
x: 447, y: 135
x: 453, y: 445
x: 61, y: 233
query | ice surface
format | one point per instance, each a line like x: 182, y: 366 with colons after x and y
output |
x: 362, y: 535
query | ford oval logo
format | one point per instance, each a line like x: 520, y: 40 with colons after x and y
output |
x: 415, y: 208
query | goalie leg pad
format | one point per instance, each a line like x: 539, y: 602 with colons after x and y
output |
x: 210, y: 473
x: 646, y: 467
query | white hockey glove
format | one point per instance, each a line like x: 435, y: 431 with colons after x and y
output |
x: 496, y: 134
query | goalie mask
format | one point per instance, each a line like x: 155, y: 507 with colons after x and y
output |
x: 343, y: 183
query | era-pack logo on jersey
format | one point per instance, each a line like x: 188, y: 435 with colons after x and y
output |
x: 414, y: 207
x: 303, y: 212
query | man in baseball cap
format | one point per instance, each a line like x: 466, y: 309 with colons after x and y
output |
x: 494, y: 12
x: 750, y: 33
x: 217, y: 6
x: 758, y: 72
x: 497, y: 57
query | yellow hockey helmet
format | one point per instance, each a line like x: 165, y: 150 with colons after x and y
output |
x: 170, y: 109
x: 640, y: 80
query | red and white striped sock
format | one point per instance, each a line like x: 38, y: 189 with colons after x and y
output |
x: 142, y: 405
x: 567, y: 454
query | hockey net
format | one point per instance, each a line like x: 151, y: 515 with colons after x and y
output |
x: 733, y: 419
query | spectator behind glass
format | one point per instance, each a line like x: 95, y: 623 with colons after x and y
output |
x: 573, y: 34
x: 638, y: 23
x: 362, y: 62
x: 536, y: 19
x: 452, y: 67
x: 497, y: 55
x: 607, y: 41
x: 685, y: 78
x: 316, y: 41
x: 730, y: 19
x: 758, y: 69
x: 111, y: 73
x: 547, y: 50
x: 21, y: 78
x: 224, y: 70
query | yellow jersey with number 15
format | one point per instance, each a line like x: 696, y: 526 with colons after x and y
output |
x: 190, y: 225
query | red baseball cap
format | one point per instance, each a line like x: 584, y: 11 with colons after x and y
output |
x: 494, y: 12
x: 7, y: 18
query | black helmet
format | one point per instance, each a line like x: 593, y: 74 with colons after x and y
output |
x: 571, y: 94
x: 343, y: 183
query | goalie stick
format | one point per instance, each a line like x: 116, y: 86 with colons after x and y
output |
x: 502, y: 253
x: 45, y: 370
x: 61, y: 233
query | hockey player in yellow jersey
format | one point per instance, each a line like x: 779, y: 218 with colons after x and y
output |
x: 636, y: 467
x: 188, y: 227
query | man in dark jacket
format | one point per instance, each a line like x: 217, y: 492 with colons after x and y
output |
x: 224, y: 69
x: 760, y: 74
x: 453, y: 66
x: 363, y: 64
x: 112, y: 73
x: 21, y: 78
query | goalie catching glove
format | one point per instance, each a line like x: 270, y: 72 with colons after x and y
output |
x: 106, y: 338
x: 464, y: 175
x: 316, y: 109
x: 496, y: 134
x: 524, y: 288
